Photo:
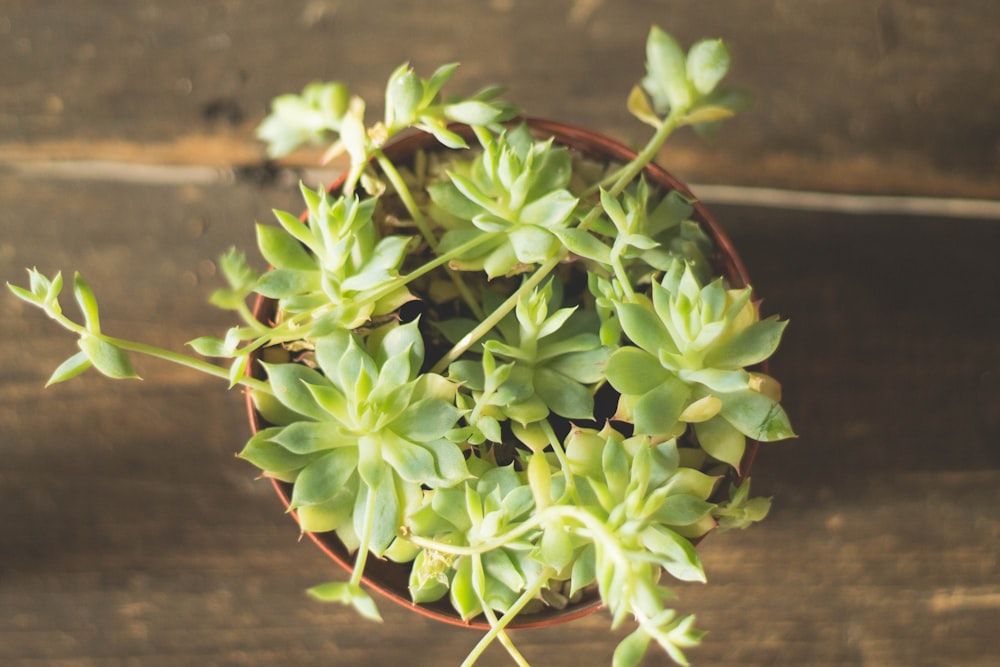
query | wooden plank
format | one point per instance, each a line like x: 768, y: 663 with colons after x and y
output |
x: 132, y: 536
x: 885, y: 97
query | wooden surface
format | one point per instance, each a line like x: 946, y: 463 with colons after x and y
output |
x: 130, y: 534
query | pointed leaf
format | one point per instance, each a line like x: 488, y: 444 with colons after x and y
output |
x: 70, y: 368
x: 107, y: 358
x: 564, y: 396
x: 324, y: 477
x: 425, y: 420
x: 631, y: 370
x: 632, y: 649
x: 756, y: 415
x: 282, y: 250
x: 584, y: 244
x: 639, y: 106
x: 289, y: 385
x: 284, y: 283
x: 269, y: 456
x: 666, y: 72
x: 88, y: 303
x: 643, y: 326
x: 707, y: 62
x: 721, y: 440
x: 657, y: 411
x: 308, y: 437
x: 750, y: 346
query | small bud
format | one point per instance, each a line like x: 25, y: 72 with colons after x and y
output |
x: 701, y: 410
x: 766, y: 385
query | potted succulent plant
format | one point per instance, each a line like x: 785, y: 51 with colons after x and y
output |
x: 518, y: 381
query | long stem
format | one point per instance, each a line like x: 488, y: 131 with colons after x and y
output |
x: 527, y: 596
x: 624, y: 175
x: 480, y: 575
x: 365, y: 539
x: 490, y: 321
x: 406, y: 196
x: 563, y: 463
x: 159, y: 353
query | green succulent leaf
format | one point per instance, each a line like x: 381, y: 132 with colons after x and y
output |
x: 563, y: 395
x: 262, y: 451
x: 306, y: 118
x: 463, y: 594
x: 707, y: 63
x: 69, y: 369
x: 211, y: 346
x: 290, y: 385
x: 631, y: 650
x: 87, y: 301
x: 108, y: 359
x: 584, y: 244
x: 642, y: 325
x: 721, y: 440
x: 282, y: 250
x: 757, y: 416
x: 657, y: 411
x: 666, y: 72
x: 631, y: 370
x: 323, y: 477
x: 348, y: 594
x: 310, y: 437
x: 683, y: 510
x: 749, y: 346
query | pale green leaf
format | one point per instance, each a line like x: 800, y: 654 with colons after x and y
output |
x: 463, y: 594
x: 284, y: 283
x: 69, y: 369
x: 750, y: 346
x: 642, y: 325
x: 707, y: 62
x: 323, y: 477
x: 564, y: 396
x: 289, y: 385
x: 584, y: 244
x: 682, y: 510
x: 631, y: 370
x: 87, y: 301
x: 657, y: 411
x: 757, y: 416
x: 721, y: 441
x: 630, y: 651
x: 308, y: 437
x: 426, y: 420
x: 269, y: 456
x: 666, y: 72
x: 282, y: 250
x: 108, y: 359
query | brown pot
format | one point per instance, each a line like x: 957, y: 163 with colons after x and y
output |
x: 391, y: 579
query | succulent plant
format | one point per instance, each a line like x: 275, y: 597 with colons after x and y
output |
x: 441, y: 331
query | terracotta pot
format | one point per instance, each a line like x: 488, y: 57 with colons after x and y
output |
x: 391, y: 579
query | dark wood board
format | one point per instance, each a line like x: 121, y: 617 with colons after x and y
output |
x: 132, y: 536
x: 852, y: 95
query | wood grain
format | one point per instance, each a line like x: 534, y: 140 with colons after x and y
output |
x: 132, y: 536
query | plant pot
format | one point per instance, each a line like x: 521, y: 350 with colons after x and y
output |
x: 390, y: 578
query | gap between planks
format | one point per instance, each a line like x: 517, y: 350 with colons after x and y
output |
x: 739, y: 195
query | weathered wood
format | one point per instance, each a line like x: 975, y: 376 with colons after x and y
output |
x: 852, y: 95
x: 131, y: 535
